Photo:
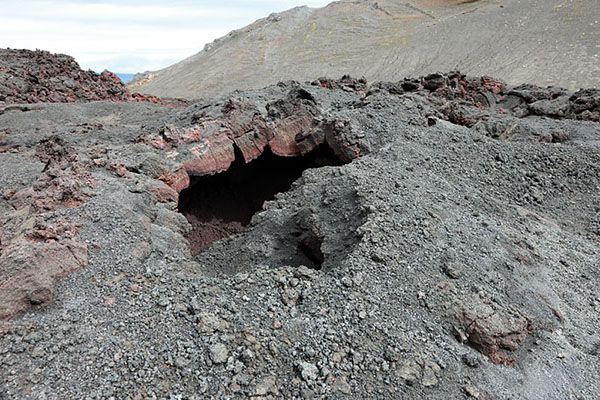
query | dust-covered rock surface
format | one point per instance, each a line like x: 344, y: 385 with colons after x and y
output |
x: 440, y: 239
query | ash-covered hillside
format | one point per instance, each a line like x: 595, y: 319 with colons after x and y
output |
x: 433, y: 238
x: 551, y: 42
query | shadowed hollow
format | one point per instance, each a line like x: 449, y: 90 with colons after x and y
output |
x: 220, y: 205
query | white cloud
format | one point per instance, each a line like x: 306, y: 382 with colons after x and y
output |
x: 128, y: 36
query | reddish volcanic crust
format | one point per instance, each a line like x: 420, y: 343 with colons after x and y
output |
x: 294, y: 127
x: 42, y: 77
x: 31, y: 260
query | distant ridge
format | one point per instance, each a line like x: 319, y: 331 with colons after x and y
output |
x: 546, y: 43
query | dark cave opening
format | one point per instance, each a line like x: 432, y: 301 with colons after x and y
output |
x: 221, y: 205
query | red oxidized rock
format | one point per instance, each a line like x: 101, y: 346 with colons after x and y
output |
x: 493, y: 332
x: 146, y: 97
x: 346, y: 83
x: 163, y: 192
x: 214, y: 154
x: 296, y: 124
x: 178, y: 180
x: 295, y: 127
x: 40, y: 76
x: 9, y: 194
x: 35, y: 255
x: 247, y: 128
x: 29, y: 269
x: 109, y: 76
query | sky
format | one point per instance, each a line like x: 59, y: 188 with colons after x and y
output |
x: 128, y: 36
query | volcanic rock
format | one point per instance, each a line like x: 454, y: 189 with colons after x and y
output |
x: 39, y: 76
x: 491, y: 331
x: 335, y: 239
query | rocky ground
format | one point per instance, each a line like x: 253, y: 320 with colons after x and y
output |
x: 426, y: 238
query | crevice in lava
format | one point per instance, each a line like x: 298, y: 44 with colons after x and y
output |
x: 221, y: 205
x: 310, y: 246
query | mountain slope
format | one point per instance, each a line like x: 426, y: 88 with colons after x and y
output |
x: 549, y: 42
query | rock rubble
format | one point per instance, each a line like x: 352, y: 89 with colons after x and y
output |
x: 41, y: 77
x: 450, y: 252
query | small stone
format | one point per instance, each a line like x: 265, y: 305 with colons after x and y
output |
x: 357, y: 357
x: 460, y: 335
x: 537, y: 194
x: 560, y: 136
x: 38, y: 352
x: 247, y: 356
x: 234, y: 365
x: 242, y: 379
x: 476, y: 393
x: 378, y: 257
x: 346, y: 281
x: 429, y: 376
x: 210, y: 323
x: 289, y: 297
x: 453, y: 270
x: 9, y: 194
x: 337, y: 356
x: 181, y: 362
x: 163, y: 301
x: 471, y: 360
x: 358, y: 279
x: 472, y: 391
x: 181, y: 308
x: 391, y: 354
x: 276, y: 325
x: 201, y: 385
x: 562, y: 355
x: 409, y: 371
x: 308, y: 371
x: 241, y: 277
x: 266, y: 386
x: 110, y: 301
x: 218, y: 353
x: 341, y: 385
x: 304, y: 272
